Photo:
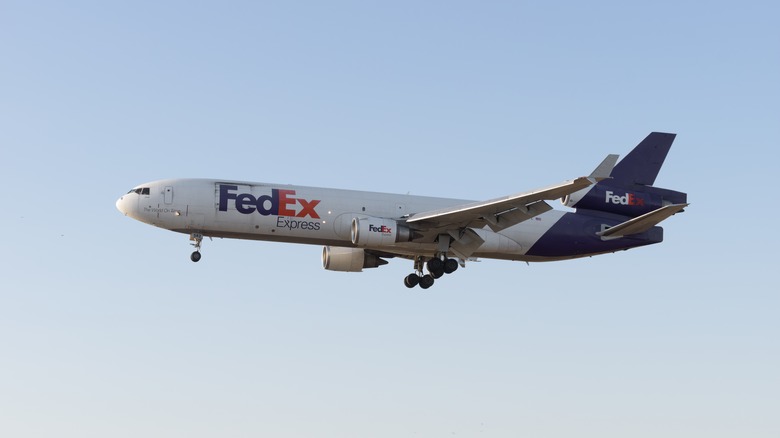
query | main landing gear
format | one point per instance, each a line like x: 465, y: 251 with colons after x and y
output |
x: 437, y: 267
x: 197, y: 238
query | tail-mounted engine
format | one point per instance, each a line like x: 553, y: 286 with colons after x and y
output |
x: 372, y: 231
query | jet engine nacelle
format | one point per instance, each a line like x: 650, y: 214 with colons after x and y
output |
x: 335, y: 258
x: 374, y: 231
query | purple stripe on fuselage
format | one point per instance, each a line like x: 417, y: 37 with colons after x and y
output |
x: 574, y: 235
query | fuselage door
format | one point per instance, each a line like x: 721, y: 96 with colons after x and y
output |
x: 168, y: 195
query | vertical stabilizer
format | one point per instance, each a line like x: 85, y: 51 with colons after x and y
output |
x: 641, y: 165
x: 629, y: 190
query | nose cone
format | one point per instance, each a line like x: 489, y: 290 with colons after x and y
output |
x: 122, y: 204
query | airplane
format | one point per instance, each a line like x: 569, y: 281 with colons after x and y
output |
x: 616, y: 208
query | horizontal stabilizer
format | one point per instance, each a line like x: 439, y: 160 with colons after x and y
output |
x: 641, y: 223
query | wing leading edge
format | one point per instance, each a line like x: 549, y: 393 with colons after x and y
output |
x: 499, y: 213
x: 507, y: 211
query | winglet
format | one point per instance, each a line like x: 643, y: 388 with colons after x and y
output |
x: 603, y: 170
x: 600, y: 173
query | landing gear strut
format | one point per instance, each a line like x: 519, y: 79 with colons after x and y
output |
x: 437, y: 267
x: 197, y: 238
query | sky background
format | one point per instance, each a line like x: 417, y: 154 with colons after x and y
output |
x: 108, y: 329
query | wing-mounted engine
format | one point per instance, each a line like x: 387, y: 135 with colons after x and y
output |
x: 374, y: 231
x: 335, y: 258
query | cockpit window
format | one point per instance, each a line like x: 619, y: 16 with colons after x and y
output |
x: 140, y: 191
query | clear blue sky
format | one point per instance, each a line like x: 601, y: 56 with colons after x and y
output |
x: 107, y: 328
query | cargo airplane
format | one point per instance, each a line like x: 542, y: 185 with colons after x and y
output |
x: 616, y: 208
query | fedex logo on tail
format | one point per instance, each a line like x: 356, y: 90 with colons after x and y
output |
x: 627, y: 199
x: 280, y: 202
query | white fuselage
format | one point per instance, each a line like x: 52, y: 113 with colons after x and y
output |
x: 307, y: 215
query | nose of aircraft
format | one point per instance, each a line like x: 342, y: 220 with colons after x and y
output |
x: 121, y: 205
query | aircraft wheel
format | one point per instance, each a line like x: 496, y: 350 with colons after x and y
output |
x: 195, y: 256
x: 426, y: 281
x: 437, y: 274
x: 411, y: 280
x: 450, y: 266
x: 435, y: 264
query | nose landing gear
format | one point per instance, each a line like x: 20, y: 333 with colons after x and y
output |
x: 197, y: 238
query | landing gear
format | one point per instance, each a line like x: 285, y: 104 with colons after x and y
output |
x: 411, y: 280
x: 426, y: 281
x: 437, y: 267
x: 197, y: 238
x: 450, y: 266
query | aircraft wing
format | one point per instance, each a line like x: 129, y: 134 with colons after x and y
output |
x: 498, y: 213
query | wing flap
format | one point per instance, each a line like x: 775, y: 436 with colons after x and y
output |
x: 516, y: 215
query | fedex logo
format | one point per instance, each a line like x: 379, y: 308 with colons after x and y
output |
x: 384, y: 229
x: 279, y: 203
x: 627, y: 199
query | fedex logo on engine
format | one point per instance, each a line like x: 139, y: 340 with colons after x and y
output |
x: 384, y: 229
x: 280, y: 202
x: 627, y: 199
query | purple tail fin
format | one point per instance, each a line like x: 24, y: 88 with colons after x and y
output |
x: 641, y: 165
x: 629, y: 191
